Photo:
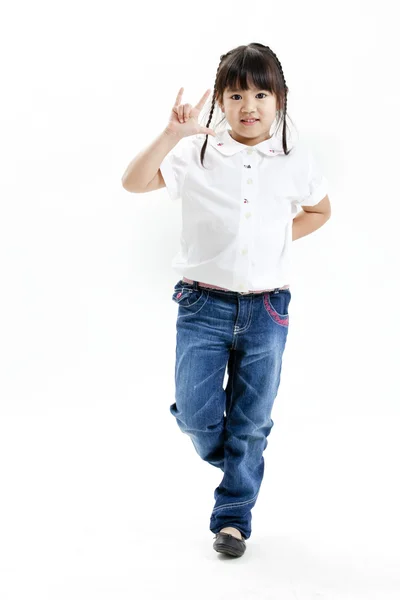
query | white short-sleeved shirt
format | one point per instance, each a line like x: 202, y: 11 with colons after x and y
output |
x: 237, y: 212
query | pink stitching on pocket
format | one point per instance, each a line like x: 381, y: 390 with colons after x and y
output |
x: 274, y: 314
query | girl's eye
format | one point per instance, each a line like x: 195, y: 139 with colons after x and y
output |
x: 261, y: 93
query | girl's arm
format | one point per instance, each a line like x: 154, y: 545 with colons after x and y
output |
x: 144, y: 167
x: 311, y: 218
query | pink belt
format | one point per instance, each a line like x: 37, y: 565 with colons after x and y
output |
x: 216, y: 287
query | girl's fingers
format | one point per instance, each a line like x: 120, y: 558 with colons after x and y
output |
x: 186, y: 111
x: 202, y: 100
x: 179, y: 97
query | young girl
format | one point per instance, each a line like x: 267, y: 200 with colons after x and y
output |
x: 240, y: 190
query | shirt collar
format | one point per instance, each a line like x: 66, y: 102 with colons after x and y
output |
x: 228, y: 146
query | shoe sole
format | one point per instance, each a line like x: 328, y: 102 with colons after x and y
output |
x: 227, y: 550
x: 227, y: 544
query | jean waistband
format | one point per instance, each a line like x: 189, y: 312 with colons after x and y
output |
x: 216, y: 287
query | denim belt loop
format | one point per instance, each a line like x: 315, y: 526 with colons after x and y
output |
x: 276, y: 291
x: 195, y: 285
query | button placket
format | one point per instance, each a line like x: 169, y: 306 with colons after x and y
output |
x: 249, y: 190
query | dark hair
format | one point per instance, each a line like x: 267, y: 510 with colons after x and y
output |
x: 257, y: 63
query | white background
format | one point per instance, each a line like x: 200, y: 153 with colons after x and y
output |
x: 101, y: 494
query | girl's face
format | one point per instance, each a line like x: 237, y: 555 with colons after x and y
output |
x: 253, y: 103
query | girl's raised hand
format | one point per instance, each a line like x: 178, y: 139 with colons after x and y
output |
x: 183, y: 119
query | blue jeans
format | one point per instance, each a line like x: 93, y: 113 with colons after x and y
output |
x: 246, y: 334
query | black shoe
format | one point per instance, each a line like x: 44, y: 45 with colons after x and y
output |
x: 229, y: 544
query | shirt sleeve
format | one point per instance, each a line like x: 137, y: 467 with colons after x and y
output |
x: 317, y: 184
x: 175, y: 166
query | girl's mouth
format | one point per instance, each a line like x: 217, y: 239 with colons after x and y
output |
x: 250, y: 122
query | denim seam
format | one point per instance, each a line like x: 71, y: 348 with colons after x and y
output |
x: 177, y: 296
x: 235, y: 504
x: 282, y: 320
x: 190, y: 305
x: 246, y: 327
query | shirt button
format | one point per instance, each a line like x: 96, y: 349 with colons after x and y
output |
x: 250, y: 151
x: 247, y: 215
x: 249, y: 181
x: 244, y: 250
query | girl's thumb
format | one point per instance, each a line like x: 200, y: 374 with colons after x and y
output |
x: 207, y: 130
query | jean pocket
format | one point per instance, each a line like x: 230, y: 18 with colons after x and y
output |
x: 186, y: 296
x: 277, y: 306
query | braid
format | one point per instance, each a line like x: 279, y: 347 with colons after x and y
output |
x: 285, y: 100
x: 203, y: 149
